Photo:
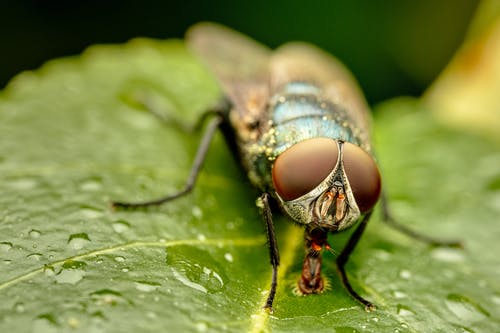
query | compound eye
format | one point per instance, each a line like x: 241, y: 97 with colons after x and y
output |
x: 303, y: 166
x: 363, y: 176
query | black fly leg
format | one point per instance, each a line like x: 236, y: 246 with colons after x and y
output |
x: 389, y: 219
x: 344, y: 256
x: 273, y: 248
x: 210, y: 130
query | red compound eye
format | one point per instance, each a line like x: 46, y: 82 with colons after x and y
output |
x: 363, y: 176
x: 304, y: 166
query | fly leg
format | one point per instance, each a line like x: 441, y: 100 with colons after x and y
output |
x: 344, y: 256
x: 388, y: 218
x: 215, y: 122
x: 263, y: 203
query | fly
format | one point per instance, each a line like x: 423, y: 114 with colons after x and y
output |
x: 301, y: 129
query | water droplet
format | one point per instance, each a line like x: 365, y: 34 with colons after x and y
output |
x: 206, y: 279
x: 91, y: 185
x: 201, y: 237
x: 151, y: 315
x: 447, y: 254
x: 125, y: 269
x: 72, y: 271
x: 108, y: 297
x: 7, y: 261
x: 201, y: 327
x: 405, y: 274
x: 187, y: 282
x: 46, y: 322
x: 210, y: 275
x: 399, y: 294
x: 228, y: 257
x: 99, y: 261
x: 34, y: 233
x: 197, y: 212
x: 404, y: 311
x: 119, y: 259
x: 49, y: 270
x: 89, y: 213
x: 78, y: 241
x: 71, y: 276
x: 35, y: 245
x: 35, y: 256
x: 464, y: 308
x: 120, y: 226
x: 146, y: 286
x: 19, y: 307
x: 5, y: 246
x: 382, y: 254
x: 73, y: 322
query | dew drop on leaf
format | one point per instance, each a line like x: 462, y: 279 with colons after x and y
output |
x: 197, y: 212
x: 120, y: 259
x: 78, y: 241
x: 399, y: 294
x: 89, y: 213
x: 35, y: 256
x: 71, y: 276
x: 46, y: 322
x: 405, y: 274
x: 5, y: 246
x: 404, y: 311
x: 49, y: 270
x: 447, y: 254
x: 146, y: 286
x: 187, y: 282
x: 120, y: 226
x: 228, y: 256
x: 201, y: 327
x: 34, y: 233
x: 108, y: 297
x: 71, y: 272
x: 91, y: 185
x: 19, y: 307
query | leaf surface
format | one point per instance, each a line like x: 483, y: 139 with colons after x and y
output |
x: 72, y: 138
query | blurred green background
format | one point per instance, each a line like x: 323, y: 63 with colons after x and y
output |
x: 394, y: 47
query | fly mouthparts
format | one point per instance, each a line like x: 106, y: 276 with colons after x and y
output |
x: 327, y: 202
x: 340, y: 207
x: 334, y: 195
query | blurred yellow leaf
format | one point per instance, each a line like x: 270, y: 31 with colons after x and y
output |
x: 467, y: 93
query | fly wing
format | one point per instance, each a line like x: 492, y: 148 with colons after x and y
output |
x: 304, y: 62
x: 240, y: 64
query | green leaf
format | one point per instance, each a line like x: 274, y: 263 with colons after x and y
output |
x: 73, y: 138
